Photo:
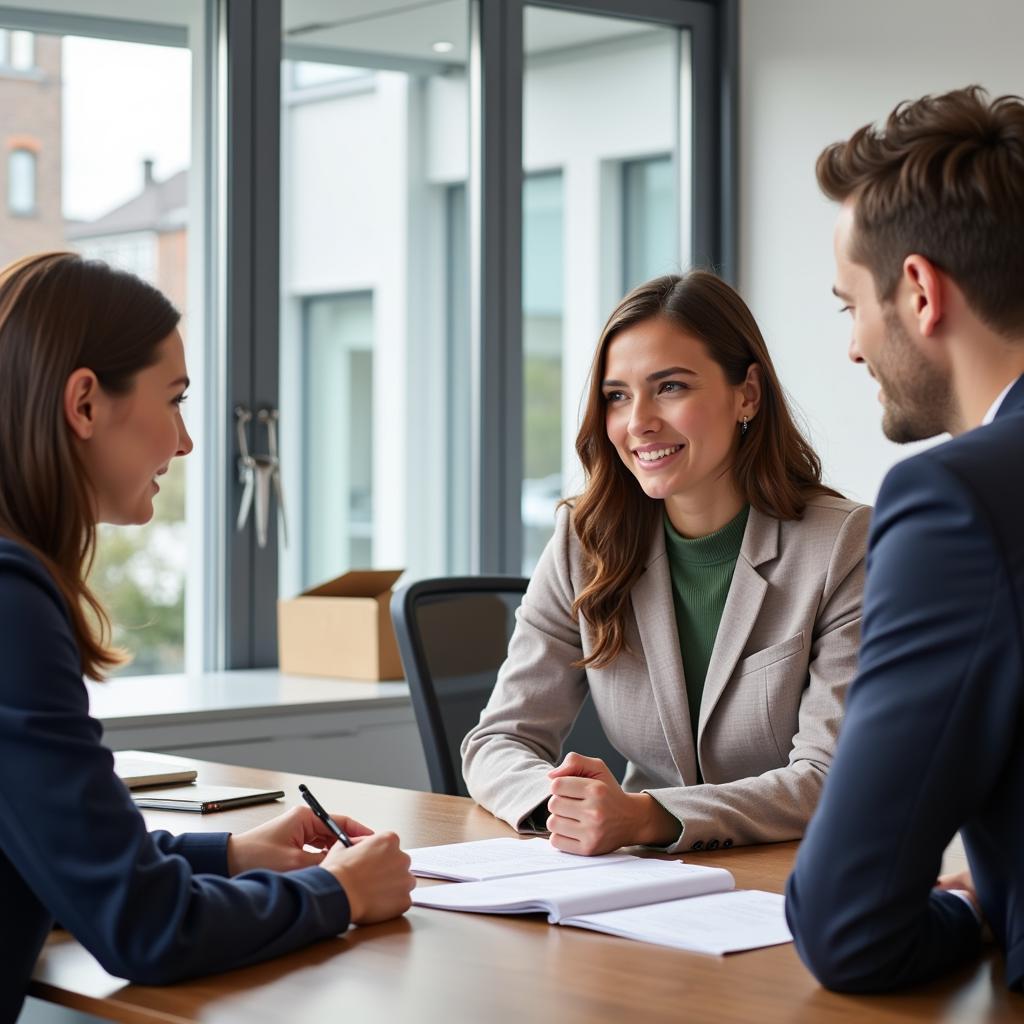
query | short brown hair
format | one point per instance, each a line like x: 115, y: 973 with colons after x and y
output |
x: 943, y: 178
x: 775, y: 468
x: 59, y: 312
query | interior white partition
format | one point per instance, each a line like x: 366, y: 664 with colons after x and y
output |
x: 811, y: 73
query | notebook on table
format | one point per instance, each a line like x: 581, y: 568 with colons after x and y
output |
x: 135, y: 769
x: 203, y: 799
x: 499, y: 858
x: 665, y: 902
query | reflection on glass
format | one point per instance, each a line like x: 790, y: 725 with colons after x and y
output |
x: 457, y: 382
x: 600, y: 214
x: 308, y: 74
x: 650, y: 236
x: 543, y: 230
x: 337, y: 524
x: 374, y: 285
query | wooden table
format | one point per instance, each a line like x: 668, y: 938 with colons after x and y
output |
x: 452, y: 967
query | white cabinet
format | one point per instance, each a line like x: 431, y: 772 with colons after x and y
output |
x: 363, y: 732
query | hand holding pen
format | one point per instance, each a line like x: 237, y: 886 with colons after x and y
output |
x: 317, y: 809
x: 375, y: 874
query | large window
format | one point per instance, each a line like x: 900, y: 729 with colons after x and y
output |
x: 108, y: 175
x: 353, y: 267
x: 601, y: 95
x: 137, y: 142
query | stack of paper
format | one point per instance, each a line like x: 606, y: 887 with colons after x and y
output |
x: 665, y: 902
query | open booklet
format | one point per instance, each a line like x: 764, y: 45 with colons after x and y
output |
x: 664, y: 902
x: 500, y: 858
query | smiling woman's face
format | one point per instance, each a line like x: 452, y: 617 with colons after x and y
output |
x: 135, y: 436
x: 670, y: 412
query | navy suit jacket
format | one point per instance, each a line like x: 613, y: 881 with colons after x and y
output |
x: 933, y: 738
x: 150, y: 907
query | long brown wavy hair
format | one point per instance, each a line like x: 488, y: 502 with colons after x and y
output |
x: 775, y: 468
x: 59, y: 313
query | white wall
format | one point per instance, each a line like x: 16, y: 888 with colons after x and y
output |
x: 811, y: 73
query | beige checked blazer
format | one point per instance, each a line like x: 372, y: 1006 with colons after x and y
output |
x: 773, y: 697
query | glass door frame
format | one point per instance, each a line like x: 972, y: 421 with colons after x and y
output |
x: 249, y: 42
x: 496, y: 177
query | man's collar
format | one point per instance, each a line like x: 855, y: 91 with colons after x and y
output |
x: 1017, y: 387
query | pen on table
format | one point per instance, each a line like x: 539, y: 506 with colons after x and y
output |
x: 314, y: 805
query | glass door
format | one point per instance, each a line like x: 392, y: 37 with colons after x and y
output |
x: 606, y: 205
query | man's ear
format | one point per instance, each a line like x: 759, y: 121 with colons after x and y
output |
x: 750, y: 392
x: 927, y: 296
x: 81, y: 392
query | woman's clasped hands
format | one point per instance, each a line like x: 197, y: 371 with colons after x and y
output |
x: 589, y: 813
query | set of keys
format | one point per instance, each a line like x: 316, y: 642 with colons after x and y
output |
x: 259, y: 475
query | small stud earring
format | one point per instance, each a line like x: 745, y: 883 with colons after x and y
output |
x: 744, y: 426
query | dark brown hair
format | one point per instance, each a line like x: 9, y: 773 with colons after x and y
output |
x: 943, y: 178
x: 775, y: 468
x: 59, y: 313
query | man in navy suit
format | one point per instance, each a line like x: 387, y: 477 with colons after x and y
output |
x: 929, y: 251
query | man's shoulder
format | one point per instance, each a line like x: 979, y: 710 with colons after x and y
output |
x: 981, y: 466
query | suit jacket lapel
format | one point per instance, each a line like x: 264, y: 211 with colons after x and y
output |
x: 659, y: 635
x: 742, y: 606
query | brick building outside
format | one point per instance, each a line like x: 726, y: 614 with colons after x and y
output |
x: 30, y: 136
x: 146, y: 235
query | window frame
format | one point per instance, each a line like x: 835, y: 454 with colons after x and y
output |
x: 205, y: 469
x: 237, y: 170
x: 495, y: 254
x: 712, y: 183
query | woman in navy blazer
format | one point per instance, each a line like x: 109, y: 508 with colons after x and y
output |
x: 92, y: 376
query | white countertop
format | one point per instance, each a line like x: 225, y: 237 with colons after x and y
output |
x: 233, y: 694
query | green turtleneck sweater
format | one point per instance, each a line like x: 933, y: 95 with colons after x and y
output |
x: 701, y: 570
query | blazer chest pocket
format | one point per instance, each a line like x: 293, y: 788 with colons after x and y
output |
x: 781, y: 685
x: 770, y: 655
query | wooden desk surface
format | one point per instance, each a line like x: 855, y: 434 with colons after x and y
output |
x: 452, y: 967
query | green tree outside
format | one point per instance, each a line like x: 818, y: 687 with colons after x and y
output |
x: 139, y: 575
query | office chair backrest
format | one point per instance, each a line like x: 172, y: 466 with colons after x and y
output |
x: 453, y: 636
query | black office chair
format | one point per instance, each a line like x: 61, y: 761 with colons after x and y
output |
x: 453, y: 635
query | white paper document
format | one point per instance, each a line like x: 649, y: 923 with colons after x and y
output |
x: 500, y: 858
x: 727, y: 922
x: 562, y: 894
x: 665, y: 902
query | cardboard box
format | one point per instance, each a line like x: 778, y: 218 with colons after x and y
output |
x: 341, y: 628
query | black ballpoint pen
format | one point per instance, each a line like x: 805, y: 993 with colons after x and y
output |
x: 314, y: 805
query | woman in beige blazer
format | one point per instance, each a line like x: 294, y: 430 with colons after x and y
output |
x: 688, y: 447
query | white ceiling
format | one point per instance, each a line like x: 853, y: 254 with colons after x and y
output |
x: 407, y: 29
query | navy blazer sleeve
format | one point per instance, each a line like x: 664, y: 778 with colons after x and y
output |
x: 151, y: 908
x: 929, y: 724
